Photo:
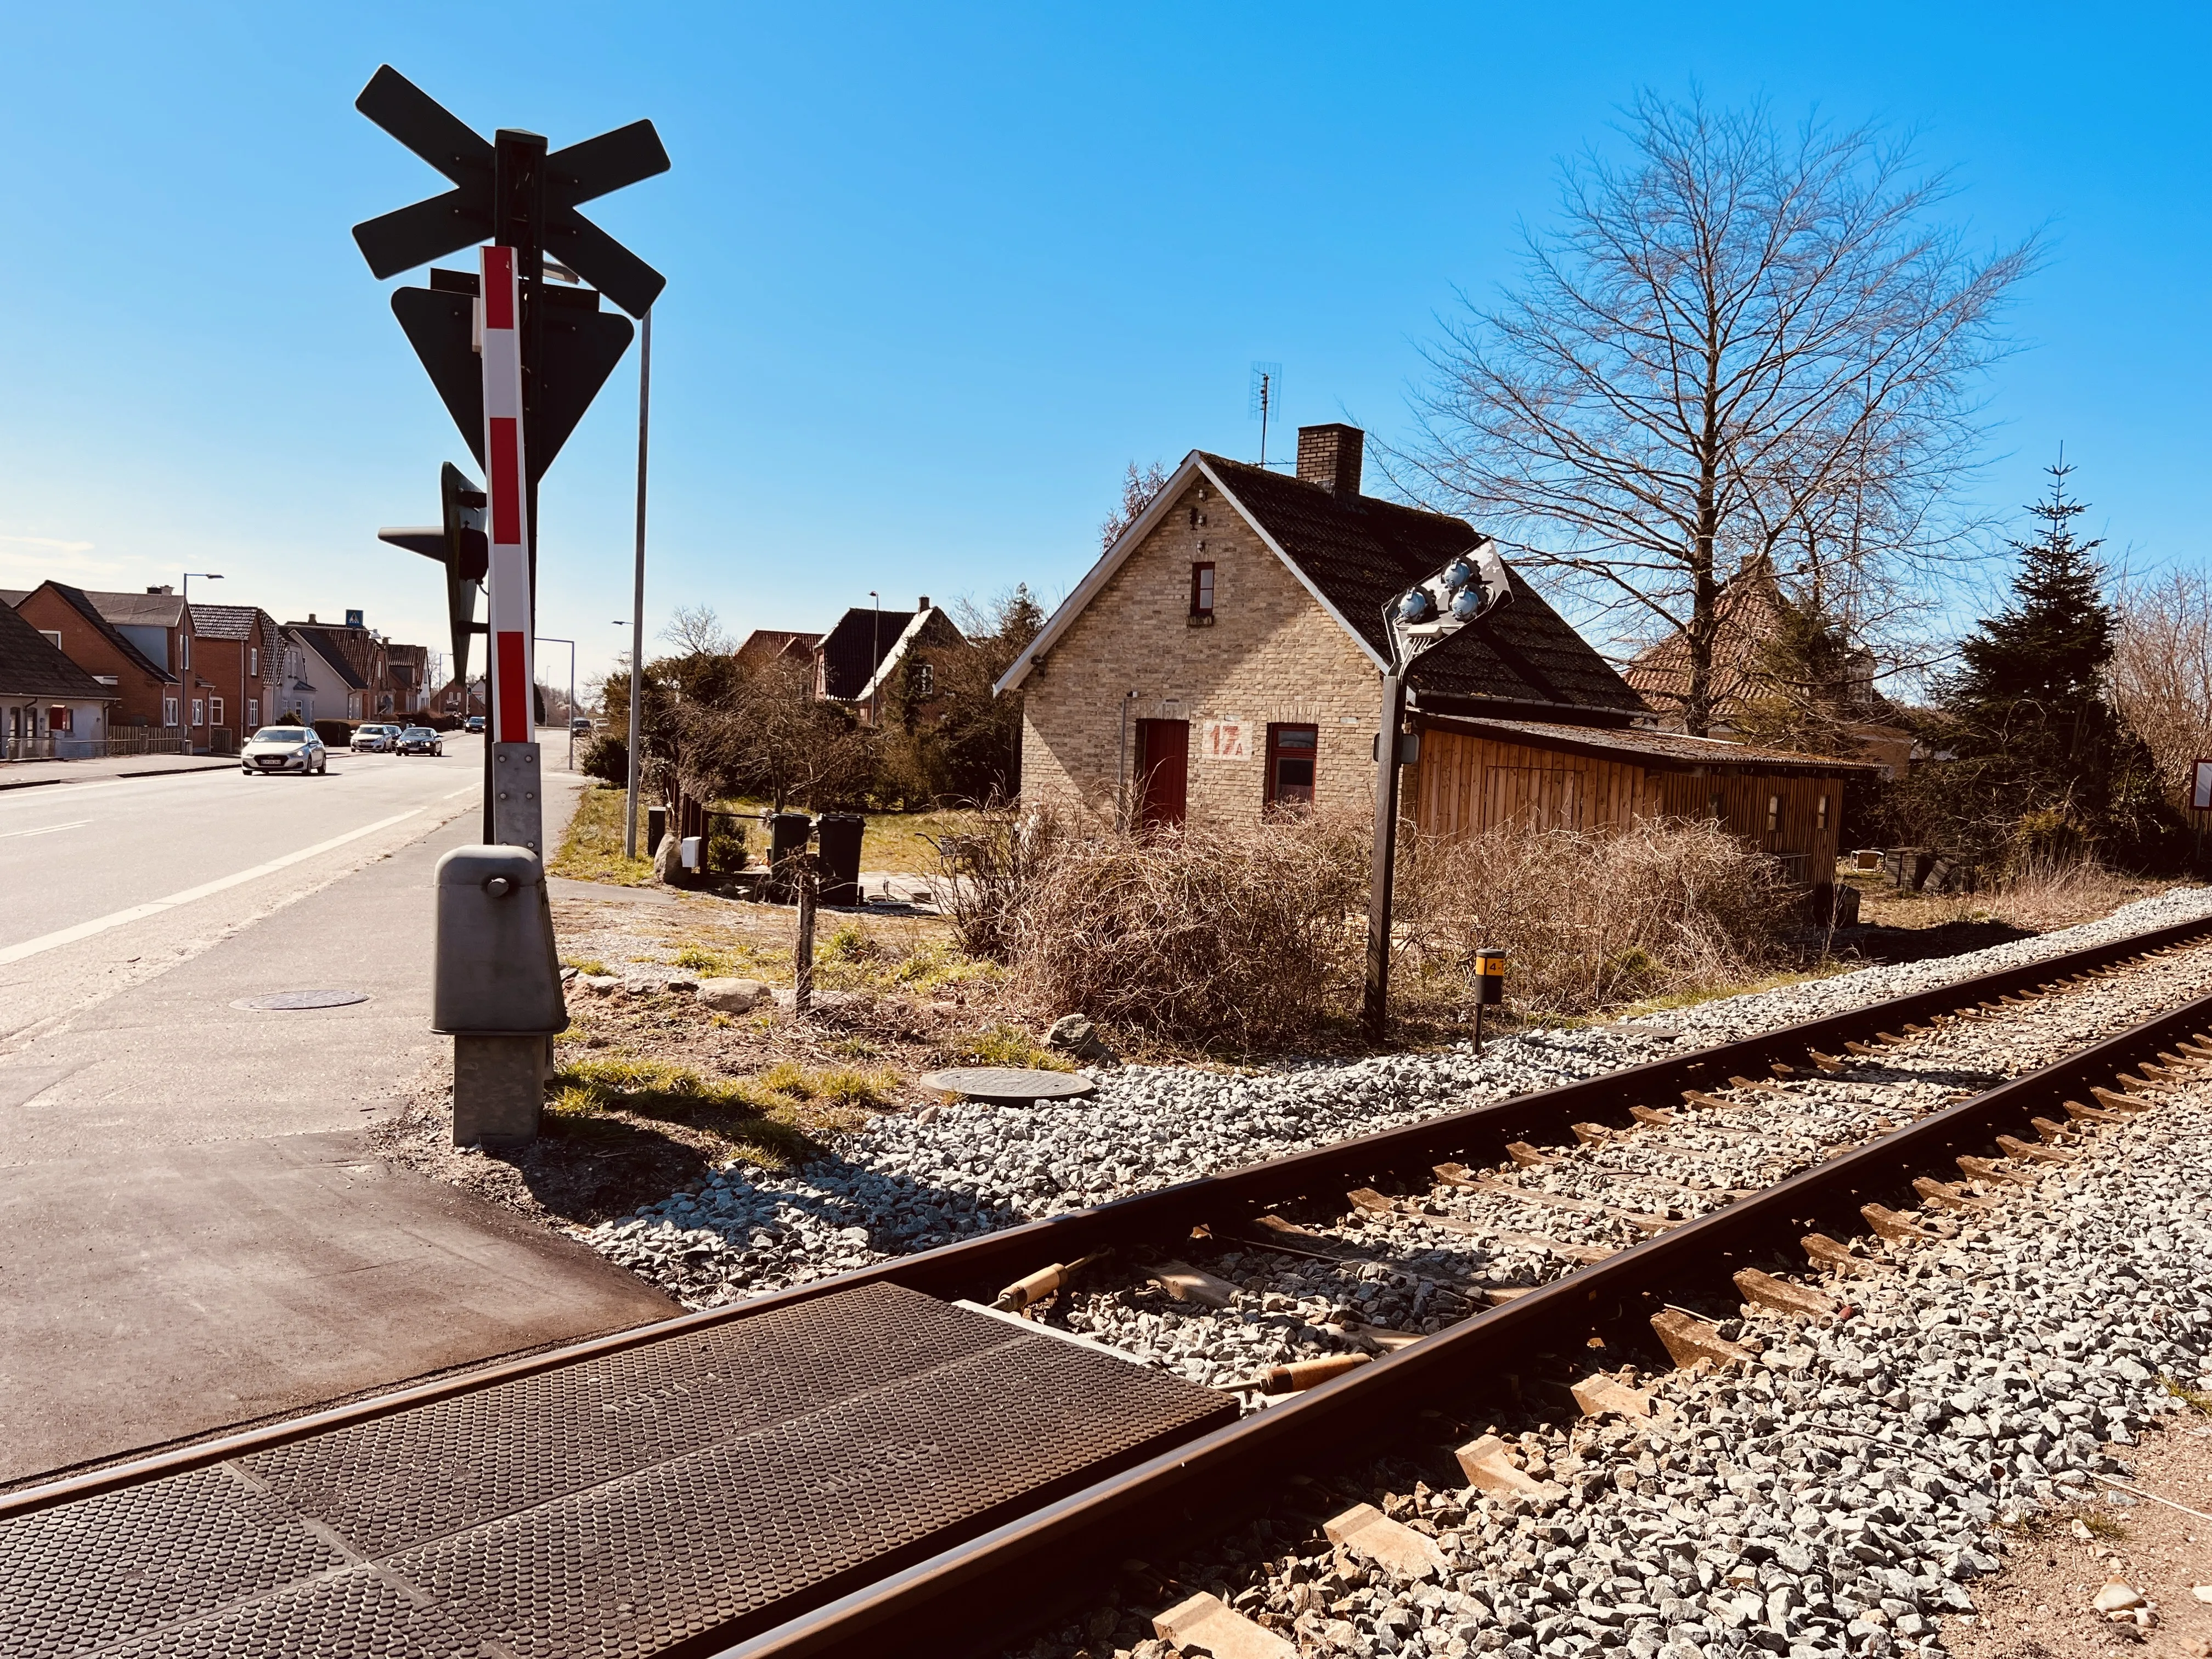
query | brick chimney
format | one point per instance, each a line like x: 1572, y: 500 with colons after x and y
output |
x: 1330, y: 456
x: 924, y: 605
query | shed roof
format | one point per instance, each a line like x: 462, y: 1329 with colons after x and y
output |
x: 1662, y: 752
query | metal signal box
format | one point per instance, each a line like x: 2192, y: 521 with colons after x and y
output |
x: 495, y: 972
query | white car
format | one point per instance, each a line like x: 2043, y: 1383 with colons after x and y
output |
x: 377, y: 739
x: 285, y: 749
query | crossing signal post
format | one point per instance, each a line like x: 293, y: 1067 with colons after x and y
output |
x: 458, y: 542
x: 516, y: 361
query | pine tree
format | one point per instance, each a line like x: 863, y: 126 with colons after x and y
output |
x: 2042, y: 763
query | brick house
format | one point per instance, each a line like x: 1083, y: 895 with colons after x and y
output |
x: 48, y: 705
x: 766, y: 645
x: 870, y: 654
x: 1222, y: 660
x: 362, y: 649
x: 149, y: 697
x: 324, y: 684
x: 239, y: 649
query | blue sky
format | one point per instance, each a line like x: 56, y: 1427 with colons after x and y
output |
x: 935, y: 274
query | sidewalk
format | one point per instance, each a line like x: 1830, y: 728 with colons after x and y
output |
x: 25, y: 774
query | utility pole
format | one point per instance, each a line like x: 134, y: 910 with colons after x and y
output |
x: 544, y: 639
x: 637, y: 597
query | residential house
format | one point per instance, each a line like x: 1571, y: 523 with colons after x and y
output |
x: 49, y: 707
x: 363, y: 652
x: 766, y: 645
x: 408, y: 669
x: 239, y: 648
x: 859, y: 660
x: 322, y: 683
x: 460, y: 701
x: 1222, y: 660
x: 149, y: 697
x: 1748, y: 614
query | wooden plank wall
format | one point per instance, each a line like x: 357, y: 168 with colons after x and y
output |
x: 1465, y: 783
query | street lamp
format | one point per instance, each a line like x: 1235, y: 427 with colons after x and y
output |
x: 637, y: 602
x: 875, y: 656
x: 184, y: 631
x: 547, y: 639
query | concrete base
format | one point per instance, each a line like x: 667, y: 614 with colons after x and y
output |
x: 499, y: 1089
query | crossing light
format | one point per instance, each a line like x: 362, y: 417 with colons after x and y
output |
x: 458, y: 542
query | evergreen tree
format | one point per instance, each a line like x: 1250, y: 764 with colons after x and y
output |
x: 2040, y: 764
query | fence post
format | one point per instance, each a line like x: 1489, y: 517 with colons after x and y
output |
x: 1375, y: 1002
x: 802, y: 963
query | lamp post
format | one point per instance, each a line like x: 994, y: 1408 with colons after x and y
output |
x: 637, y: 601
x: 184, y: 650
x: 875, y: 655
x: 547, y: 639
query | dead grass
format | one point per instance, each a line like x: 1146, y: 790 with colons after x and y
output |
x: 2041, y: 897
x: 1665, y: 913
x: 1225, y: 938
x: 592, y: 850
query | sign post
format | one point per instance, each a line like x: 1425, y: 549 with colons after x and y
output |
x: 1414, y: 623
x: 517, y: 813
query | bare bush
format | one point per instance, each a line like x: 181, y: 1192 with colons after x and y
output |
x: 1231, y: 936
x: 2161, y: 670
x: 987, y: 873
x: 1587, y: 920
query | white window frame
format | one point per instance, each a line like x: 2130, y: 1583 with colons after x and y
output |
x: 253, y: 713
x: 184, y: 650
x: 199, y: 711
x: 253, y: 662
x: 214, y: 711
x: 168, y: 711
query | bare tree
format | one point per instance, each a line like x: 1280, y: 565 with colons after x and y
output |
x: 1138, y: 489
x: 2161, y: 670
x: 695, y: 631
x: 1739, y: 342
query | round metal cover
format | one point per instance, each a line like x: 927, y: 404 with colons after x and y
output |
x: 282, y: 1002
x: 1007, y: 1083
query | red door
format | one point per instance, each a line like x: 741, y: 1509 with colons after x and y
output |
x: 1163, y: 773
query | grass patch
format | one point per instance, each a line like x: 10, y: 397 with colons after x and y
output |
x: 772, y: 1118
x: 713, y: 964
x: 1006, y: 1045
x: 592, y: 848
x: 586, y: 964
x: 2198, y: 1399
x: 2101, y: 1525
x: 1692, y: 996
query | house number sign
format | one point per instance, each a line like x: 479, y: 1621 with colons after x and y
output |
x: 1229, y: 739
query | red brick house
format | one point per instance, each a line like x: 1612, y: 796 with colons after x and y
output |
x: 237, y: 648
x: 150, y: 694
x: 871, y: 657
x: 48, y: 705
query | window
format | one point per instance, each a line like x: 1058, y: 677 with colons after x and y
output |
x: 253, y: 662
x: 199, y: 711
x: 1773, y: 813
x: 214, y: 711
x: 1713, y: 807
x: 925, y: 681
x: 1290, y: 754
x: 1821, y: 813
x: 185, y: 652
x: 1201, y: 593
x: 252, y: 713
x: 57, y: 718
x: 54, y: 637
x: 168, y: 711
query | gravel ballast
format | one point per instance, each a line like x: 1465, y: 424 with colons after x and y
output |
x: 913, y: 1182
x: 1841, y: 1494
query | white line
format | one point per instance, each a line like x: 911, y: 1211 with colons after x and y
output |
x: 51, y: 829
x: 139, y: 911
x: 471, y: 790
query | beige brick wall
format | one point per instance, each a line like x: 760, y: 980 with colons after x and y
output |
x: 1273, y: 654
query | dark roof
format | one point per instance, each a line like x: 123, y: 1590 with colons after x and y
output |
x: 138, y: 609
x: 1669, y: 751
x: 1361, y: 553
x: 850, y: 652
x: 31, y: 666
x: 12, y: 597
x: 81, y: 602
x: 765, y: 645
x: 319, y: 640
x: 224, y: 622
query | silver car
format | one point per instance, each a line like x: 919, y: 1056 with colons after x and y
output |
x: 285, y: 749
x: 376, y: 738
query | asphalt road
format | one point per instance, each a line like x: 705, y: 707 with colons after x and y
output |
x: 191, y: 1234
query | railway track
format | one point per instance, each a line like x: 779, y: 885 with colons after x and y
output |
x: 592, y: 1500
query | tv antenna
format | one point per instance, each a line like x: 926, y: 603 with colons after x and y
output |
x: 1267, y: 394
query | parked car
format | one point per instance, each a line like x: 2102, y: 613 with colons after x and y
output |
x: 375, y: 738
x: 582, y: 725
x: 474, y: 723
x: 285, y: 749
x: 419, y: 740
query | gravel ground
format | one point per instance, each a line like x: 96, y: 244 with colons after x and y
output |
x: 909, y: 1182
x: 1840, y: 1495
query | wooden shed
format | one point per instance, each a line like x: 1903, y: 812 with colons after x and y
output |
x: 1476, y: 773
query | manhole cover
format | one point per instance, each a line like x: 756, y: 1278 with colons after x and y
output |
x: 282, y: 1002
x: 1007, y: 1083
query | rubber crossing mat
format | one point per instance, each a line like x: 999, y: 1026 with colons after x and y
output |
x: 669, y: 1497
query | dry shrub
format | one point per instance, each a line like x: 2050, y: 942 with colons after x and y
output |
x: 987, y: 871
x: 1586, y: 921
x: 2040, y: 893
x: 1232, y: 938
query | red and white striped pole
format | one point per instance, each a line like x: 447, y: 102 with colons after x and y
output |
x: 516, y: 816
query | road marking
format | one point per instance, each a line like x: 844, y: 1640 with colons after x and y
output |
x: 51, y: 829
x: 471, y: 790
x: 139, y: 911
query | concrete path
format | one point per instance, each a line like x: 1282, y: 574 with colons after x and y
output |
x: 192, y: 1236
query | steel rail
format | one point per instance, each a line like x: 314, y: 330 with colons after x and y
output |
x: 978, y: 1267
x: 995, y: 1586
